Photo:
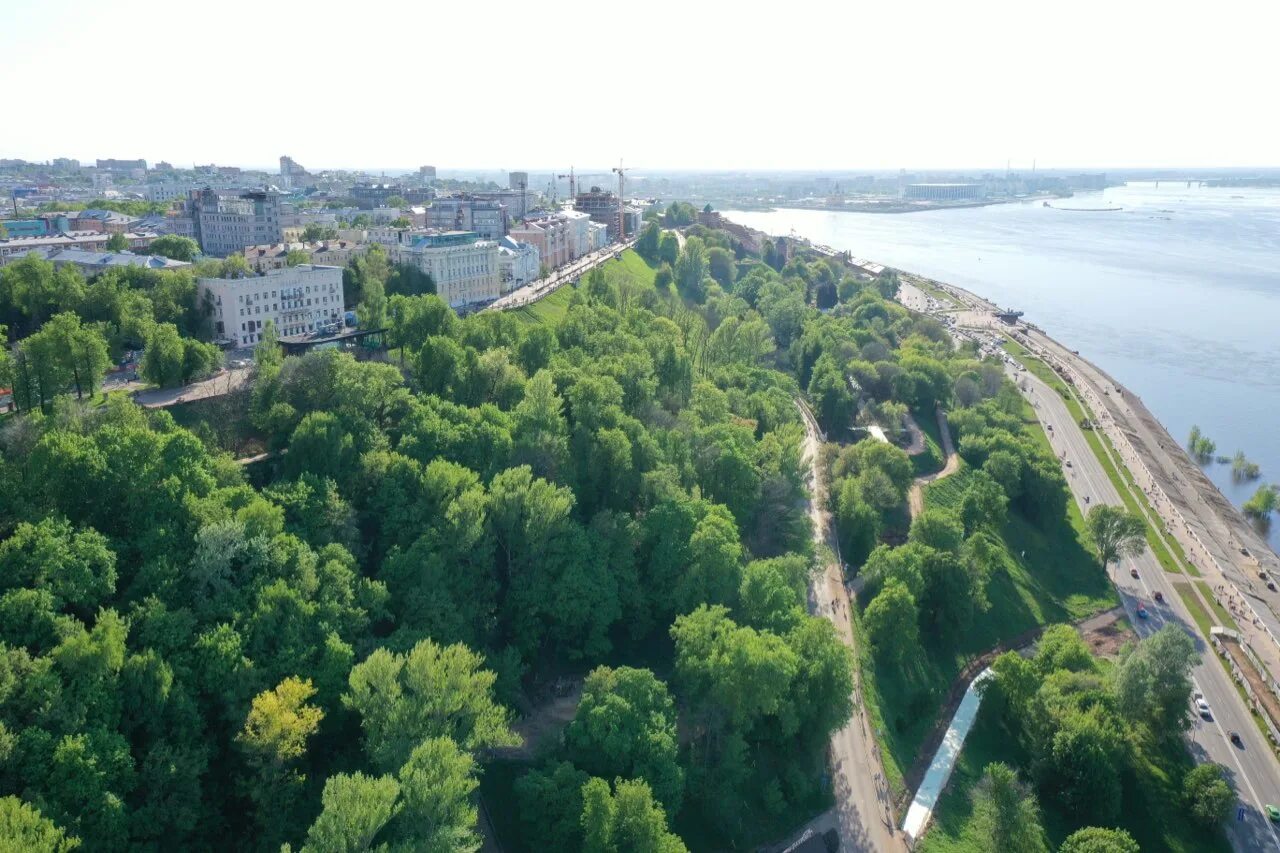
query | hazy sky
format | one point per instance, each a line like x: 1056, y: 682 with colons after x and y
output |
x: 690, y: 84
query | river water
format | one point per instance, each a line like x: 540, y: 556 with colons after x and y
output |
x: 1177, y: 294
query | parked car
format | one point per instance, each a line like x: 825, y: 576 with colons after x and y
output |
x: 1273, y: 813
x: 1142, y: 611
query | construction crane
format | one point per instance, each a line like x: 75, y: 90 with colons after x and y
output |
x: 573, y: 185
x: 622, y: 213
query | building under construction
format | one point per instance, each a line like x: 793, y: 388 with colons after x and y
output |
x: 601, y: 205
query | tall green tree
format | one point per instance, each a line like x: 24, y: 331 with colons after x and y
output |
x: 1207, y: 795
x: 1115, y: 533
x: 23, y: 828
x: 625, y: 819
x: 1153, y: 680
x: 1096, y: 839
x: 625, y: 725
x: 429, y: 692
x: 1006, y: 813
x: 174, y: 247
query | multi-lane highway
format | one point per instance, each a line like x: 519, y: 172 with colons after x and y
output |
x: 1253, y: 770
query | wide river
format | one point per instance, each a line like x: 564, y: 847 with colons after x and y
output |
x: 1177, y: 294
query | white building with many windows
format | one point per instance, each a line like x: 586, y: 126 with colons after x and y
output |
x: 464, y: 268
x: 297, y: 300
x: 518, y: 263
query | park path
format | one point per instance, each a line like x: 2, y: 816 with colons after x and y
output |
x: 915, y: 497
x: 863, y: 815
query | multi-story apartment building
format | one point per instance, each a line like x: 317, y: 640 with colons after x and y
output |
x: 297, y: 300
x: 464, y: 268
x: 225, y: 224
x: 550, y: 235
x: 165, y: 191
x: 579, y: 225
x: 369, y: 196
x: 599, y: 235
x: 487, y: 217
x: 517, y: 201
x: 518, y: 263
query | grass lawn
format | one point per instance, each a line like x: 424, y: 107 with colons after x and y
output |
x: 1042, y: 576
x: 631, y: 267
x: 549, y: 309
x: 1220, y: 612
x: 1201, y: 616
x: 1151, y: 808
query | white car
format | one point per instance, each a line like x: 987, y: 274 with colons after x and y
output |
x: 1203, y: 707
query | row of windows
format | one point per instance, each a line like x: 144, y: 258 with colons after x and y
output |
x: 289, y: 305
x: 298, y: 291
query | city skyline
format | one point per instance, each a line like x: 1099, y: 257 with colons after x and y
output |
x: 682, y: 88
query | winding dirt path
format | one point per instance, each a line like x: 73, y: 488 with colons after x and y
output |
x: 915, y: 497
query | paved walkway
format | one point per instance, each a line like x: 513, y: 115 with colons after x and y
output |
x: 223, y: 383
x: 863, y: 814
x: 535, y: 290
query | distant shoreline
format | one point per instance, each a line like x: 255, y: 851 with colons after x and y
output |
x: 892, y: 207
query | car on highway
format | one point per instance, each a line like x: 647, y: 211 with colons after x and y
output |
x: 1271, y: 585
x: 1202, y: 708
x: 1133, y: 573
x: 1273, y: 813
x: 1235, y: 738
x: 1068, y: 463
x: 1159, y: 596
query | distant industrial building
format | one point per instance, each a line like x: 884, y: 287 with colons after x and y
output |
x: 943, y: 192
x: 112, y: 165
x: 426, y: 173
x: 518, y: 180
x: 297, y: 300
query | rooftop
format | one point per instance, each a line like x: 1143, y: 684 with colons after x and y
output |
x: 109, y: 259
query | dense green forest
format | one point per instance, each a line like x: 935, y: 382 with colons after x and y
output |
x: 325, y: 653
x: 332, y: 648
